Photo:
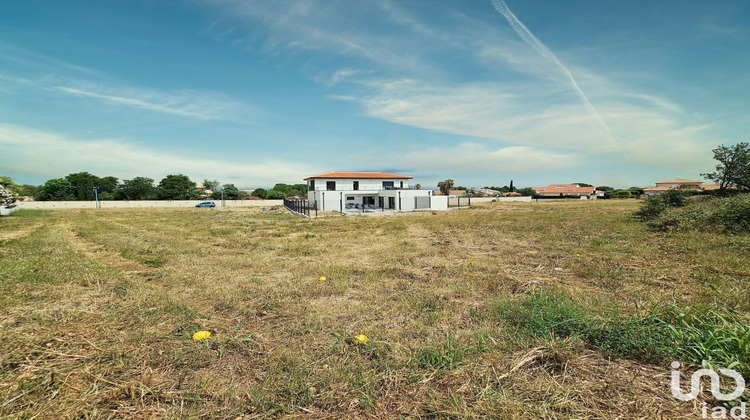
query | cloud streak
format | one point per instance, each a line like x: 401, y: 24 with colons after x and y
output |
x: 204, y: 106
x: 187, y: 103
x: 542, y: 49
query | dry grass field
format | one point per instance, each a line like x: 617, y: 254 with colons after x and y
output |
x: 98, y: 309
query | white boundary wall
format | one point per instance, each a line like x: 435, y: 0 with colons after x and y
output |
x: 526, y: 199
x: 61, y: 205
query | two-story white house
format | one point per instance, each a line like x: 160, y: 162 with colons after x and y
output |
x: 369, y: 191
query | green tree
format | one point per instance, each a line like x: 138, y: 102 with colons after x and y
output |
x: 260, y: 193
x: 177, y: 187
x: 107, y: 185
x: 623, y: 194
x: 526, y: 192
x: 28, y: 190
x: 284, y: 188
x: 636, y: 191
x: 57, y: 189
x: 212, y: 185
x: 583, y: 184
x: 291, y: 190
x: 230, y: 193
x: 733, y: 169
x: 275, y: 195
x: 445, y: 186
x: 300, y: 189
x: 83, y: 183
x: 138, y: 188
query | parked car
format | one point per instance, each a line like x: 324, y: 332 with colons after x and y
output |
x: 206, y: 204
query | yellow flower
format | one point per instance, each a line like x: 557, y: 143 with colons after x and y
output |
x: 322, y: 279
x: 201, y: 335
x: 360, y: 339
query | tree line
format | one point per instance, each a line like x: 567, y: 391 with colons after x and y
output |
x: 83, y: 186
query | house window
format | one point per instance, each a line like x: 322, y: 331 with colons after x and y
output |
x: 401, y: 184
x: 311, y: 185
x: 356, y: 185
x: 331, y: 185
x: 387, y: 184
x: 350, y: 198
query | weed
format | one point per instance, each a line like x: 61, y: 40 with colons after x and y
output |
x: 448, y: 354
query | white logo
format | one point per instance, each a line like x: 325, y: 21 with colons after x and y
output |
x: 715, y: 383
x: 738, y: 412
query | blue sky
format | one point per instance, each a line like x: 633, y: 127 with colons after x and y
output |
x: 258, y: 92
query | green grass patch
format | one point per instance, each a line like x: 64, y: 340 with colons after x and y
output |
x: 28, y: 214
x: 708, y: 336
x: 450, y: 353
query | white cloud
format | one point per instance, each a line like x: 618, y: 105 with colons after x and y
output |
x: 539, y: 116
x: 476, y: 157
x: 51, y: 155
x: 510, y: 113
x: 523, y: 94
x: 337, y: 28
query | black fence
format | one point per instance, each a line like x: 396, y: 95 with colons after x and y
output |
x: 301, y: 207
x: 454, y: 202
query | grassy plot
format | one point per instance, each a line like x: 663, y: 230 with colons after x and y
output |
x: 565, y: 309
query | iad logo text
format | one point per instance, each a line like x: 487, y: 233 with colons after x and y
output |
x: 737, y: 412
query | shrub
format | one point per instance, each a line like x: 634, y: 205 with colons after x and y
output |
x: 657, y: 204
x: 275, y: 195
x: 730, y: 214
x: 652, y: 208
x: 260, y: 193
x: 623, y: 194
x: 734, y: 213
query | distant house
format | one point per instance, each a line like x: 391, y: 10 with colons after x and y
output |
x: 205, y: 193
x: 488, y: 192
x: 566, y: 190
x: 362, y: 191
x: 678, y: 184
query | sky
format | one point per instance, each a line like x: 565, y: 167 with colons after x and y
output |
x: 620, y: 93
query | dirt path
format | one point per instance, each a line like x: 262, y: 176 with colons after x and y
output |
x: 18, y: 234
x: 99, y: 253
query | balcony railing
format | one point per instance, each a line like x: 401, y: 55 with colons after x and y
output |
x: 349, y: 188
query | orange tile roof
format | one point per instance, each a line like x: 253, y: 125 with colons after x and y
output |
x: 564, y: 189
x: 679, y: 181
x: 357, y: 175
x: 710, y: 187
x: 656, y: 188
